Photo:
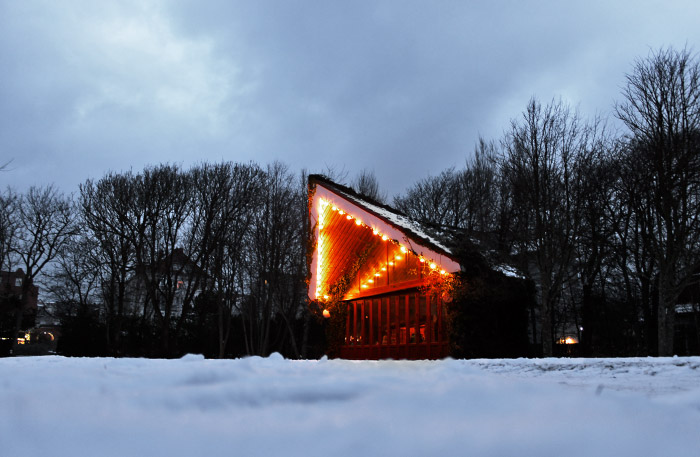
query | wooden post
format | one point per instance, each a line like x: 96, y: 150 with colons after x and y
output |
x: 354, y: 323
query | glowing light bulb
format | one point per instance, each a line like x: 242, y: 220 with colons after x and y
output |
x: 422, y: 260
x: 358, y: 222
x: 341, y: 212
x: 403, y: 249
x: 384, y: 237
x: 433, y: 266
x: 375, y: 231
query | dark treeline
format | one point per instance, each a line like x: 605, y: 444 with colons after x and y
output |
x: 169, y: 261
x: 606, y: 225
x: 213, y: 259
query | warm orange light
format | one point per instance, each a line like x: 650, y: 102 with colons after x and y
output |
x: 433, y: 266
x: 383, y: 268
x: 422, y: 260
x: 349, y: 217
x: 403, y: 249
x: 442, y: 272
x: 371, y: 281
x: 384, y: 237
x: 358, y: 222
x: 391, y: 264
x: 377, y: 275
x: 325, y: 297
x: 364, y: 286
x: 326, y: 313
x: 375, y: 231
x: 568, y: 340
x: 341, y: 212
x: 398, y: 257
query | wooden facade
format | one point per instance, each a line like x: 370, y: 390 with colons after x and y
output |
x: 380, y: 262
x: 399, y: 326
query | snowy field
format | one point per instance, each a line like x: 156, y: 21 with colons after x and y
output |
x: 268, y: 407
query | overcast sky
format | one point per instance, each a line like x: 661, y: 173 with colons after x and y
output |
x: 401, y: 88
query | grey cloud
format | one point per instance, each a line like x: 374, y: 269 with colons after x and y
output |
x: 404, y: 88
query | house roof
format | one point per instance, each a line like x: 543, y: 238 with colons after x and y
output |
x: 373, y: 221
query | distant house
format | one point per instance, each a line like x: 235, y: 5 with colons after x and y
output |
x: 174, y: 275
x: 11, y: 284
x: 373, y: 266
x: 17, y: 294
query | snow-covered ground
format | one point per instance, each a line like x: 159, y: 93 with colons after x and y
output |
x: 266, y: 407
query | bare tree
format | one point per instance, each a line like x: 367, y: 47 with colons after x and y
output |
x: 163, y: 195
x: 661, y: 109
x: 437, y: 200
x: 8, y: 227
x: 366, y: 183
x: 542, y: 160
x: 44, y: 226
x: 224, y: 195
x: 110, y: 219
x: 275, y: 263
x: 76, y: 275
x: 481, y: 193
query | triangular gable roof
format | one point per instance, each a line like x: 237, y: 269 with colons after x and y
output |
x: 378, y: 220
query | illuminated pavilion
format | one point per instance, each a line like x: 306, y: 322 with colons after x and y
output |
x: 374, y: 265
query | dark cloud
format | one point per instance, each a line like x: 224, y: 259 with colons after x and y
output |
x: 404, y: 88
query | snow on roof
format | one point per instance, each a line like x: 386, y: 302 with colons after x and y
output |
x: 509, y: 271
x: 682, y: 308
x: 410, y: 227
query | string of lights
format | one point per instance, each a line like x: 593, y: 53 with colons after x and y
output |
x: 321, y: 293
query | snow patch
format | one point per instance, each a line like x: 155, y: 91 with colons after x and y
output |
x: 271, y: 406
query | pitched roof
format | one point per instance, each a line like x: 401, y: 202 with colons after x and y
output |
x: 370, y: 214
x: 411, y: 228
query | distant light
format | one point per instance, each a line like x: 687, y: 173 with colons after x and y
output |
x: 567, y: 340
x: 398, y: 257
x: 403, y: 249
x: 349, y: 217
x: 384, y: 237
x: 326, y: 313
x: 433, y: 266
x: 358, y: 222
